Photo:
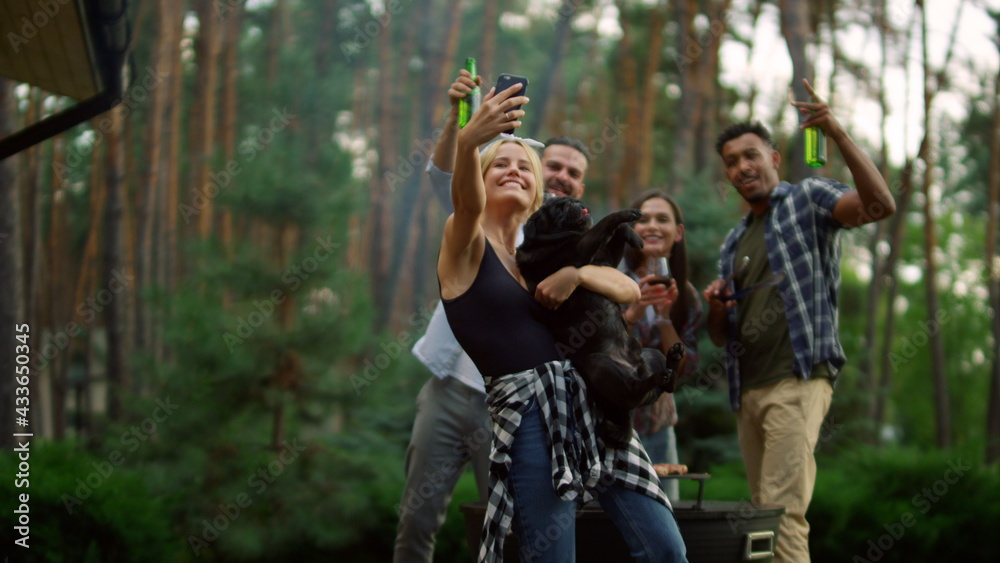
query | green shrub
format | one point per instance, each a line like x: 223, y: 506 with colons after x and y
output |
x: 904, y: 505
x: 86, y: 508
x: 728, y: 482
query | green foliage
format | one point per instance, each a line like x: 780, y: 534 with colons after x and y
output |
x: 906, y: 505
x: 710, y: 210
x: 323, y: 491
x: 961, y: 321
x: 98, y: 508
x: 728, y: 482
x: 706, y: 426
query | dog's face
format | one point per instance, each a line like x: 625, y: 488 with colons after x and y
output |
x: 559, y: 215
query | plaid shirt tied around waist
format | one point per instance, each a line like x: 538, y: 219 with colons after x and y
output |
x: 580, y: 463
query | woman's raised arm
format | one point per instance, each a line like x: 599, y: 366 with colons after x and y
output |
x: 468, y: 193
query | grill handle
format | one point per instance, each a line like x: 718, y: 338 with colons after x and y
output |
x: 752, y: 552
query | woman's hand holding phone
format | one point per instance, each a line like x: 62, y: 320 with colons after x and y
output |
x: 496, y: 115
x: 506, y: 81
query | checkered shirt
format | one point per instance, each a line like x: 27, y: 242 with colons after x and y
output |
x: 803, y: 240
x: 580, y: 462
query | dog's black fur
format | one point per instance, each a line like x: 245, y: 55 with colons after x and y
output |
x: 589, y: 327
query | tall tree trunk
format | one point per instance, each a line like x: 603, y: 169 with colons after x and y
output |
x: 380, y: 219
x: 403, y: 250
x: 232, y: 26
x: 542, y: 93
x: 942, y: 410
x: 628, y: 87
x: 837, y: 54
x: 318, y: 129
x: 31, y: 219
x: 706, y: 128
x: 58, y: 287
x: 170, y: 252
x: 29, y: 187
x: 11, y: 276
x: 942, y: 415
x: 115, y: 268
x: 993, y: 275
x: 698, y: 70
x: 130, y: 295
x: 31, y: 224
x: 286, y: 377
x: 648, y: 98
x: 688, y: 64
x: 488, y: 42
x: 378, y: 225
x: 154, y: 178
x: 755, y: 10
x: 869, y: 380
x: 87, y: 272
x: 425, y: 235
x: 208, y: 46
x: 795, y: 28
x: 895, y: 237
x: 412, y: 204
x: 639, y: 92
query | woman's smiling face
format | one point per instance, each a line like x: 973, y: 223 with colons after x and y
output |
x: 511, y: 173
x: 658, y: 227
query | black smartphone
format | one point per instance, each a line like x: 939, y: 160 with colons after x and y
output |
x: 506, y: 81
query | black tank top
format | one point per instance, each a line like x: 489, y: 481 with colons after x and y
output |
x: 498, y: 323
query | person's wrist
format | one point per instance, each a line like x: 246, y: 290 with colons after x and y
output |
x: 462, y: 139
x: 838, y: 135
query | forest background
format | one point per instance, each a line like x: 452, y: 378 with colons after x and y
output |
x: 223, y: 275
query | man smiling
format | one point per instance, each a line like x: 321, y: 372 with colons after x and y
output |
x: 783, y: 350
x: 564, y: 165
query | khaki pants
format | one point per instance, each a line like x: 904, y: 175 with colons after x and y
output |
x: 778, y: 429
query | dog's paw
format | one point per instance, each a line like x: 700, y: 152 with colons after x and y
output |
x: 624, y: 216
x: 673, y: 363
x: 668, y: 380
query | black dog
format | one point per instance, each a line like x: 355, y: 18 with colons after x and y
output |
x: 589, y: 327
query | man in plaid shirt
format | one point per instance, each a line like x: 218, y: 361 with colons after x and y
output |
x: 774, y: 308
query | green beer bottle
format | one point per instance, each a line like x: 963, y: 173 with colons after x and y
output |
x: 815, y: 146
x: 468, y: 105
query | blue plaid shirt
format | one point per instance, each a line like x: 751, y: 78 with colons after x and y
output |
x: 803, y: 240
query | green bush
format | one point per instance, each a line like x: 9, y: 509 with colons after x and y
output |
x: 905, y: 505
x: 86, y: 508
x: 728, y: 482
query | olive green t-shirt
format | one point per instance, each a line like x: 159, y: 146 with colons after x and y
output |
x: 761, y: 322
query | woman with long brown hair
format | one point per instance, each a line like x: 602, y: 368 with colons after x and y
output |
x: 663, y: 316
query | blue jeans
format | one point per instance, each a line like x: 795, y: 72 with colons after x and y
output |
x: 546, y: 524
